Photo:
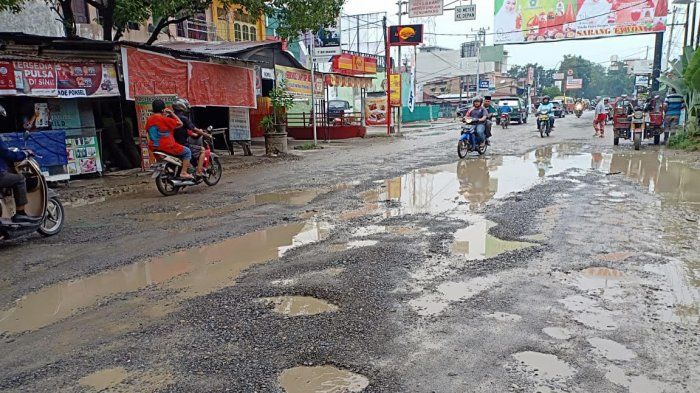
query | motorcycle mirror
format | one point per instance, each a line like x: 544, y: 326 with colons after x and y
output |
x: 25, y: 136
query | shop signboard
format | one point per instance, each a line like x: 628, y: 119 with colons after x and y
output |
x: 465, y: 12
x: 350, y: 64
x: 573, y: 84
x: 549, y: 20
x: 425, y: 8
x: 268, y: 73
x: 558, y: 76
x: 395, y: 84
x: 143, y: 111
x: 484, y: 84
x: 641, y: 80
x: 375, y: 109
x: 405, y: 35
x: 239, y: 124
x: 298, y: 81
x: 65, y: 79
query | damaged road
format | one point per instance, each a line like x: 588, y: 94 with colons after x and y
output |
x: 382, y: 265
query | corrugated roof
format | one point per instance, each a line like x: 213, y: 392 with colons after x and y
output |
x: 216, y: 47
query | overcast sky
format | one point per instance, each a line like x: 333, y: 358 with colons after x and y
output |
x: 548, y: 54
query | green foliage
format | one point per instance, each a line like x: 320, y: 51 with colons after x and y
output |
x: 13, y: 6
x: 282, y: 100
x: 685, y: 141
x: 551, y: 91
x: 295, y: 16
x: 268, y: 123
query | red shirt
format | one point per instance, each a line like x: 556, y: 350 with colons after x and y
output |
x: 161, y: 131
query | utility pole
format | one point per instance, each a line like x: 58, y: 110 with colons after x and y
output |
x: 692, y: 27
x: 670, y: 38
x: 685, y: 27
x: 387, y: 69
x: 399, y: 61
x: 313, y: 89
x: 658, y: 52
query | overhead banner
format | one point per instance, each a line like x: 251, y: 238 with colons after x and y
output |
x: 51, y: 79
x: 424, y: 8
x: 549, y: 20
x: 327, y: 42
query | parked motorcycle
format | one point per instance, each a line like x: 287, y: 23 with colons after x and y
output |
x: 469, y: 140
x: 543, y: 124
x: 167, y: 170
x: 578, y: 109
x: 505, y: 120
x: 43, y: 202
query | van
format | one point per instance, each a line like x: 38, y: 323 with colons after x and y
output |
x: 519, y: 113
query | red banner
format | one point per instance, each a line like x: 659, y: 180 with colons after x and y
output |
x: 354, y: 65
x: 36, y: 78
x: 65, y: 80
x: 86, y: 80
x: 7, y: 78
x: 203, y: 84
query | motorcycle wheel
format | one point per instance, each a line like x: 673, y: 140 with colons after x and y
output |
x: 214, y: 172
x: 657, y: 139
x: 54, y: 220
x: 462, y: 149
x: 164, y: 183
x: 481, y: 149
x: 666, y: 136
x: 541, y: 132
x: 637, y: 141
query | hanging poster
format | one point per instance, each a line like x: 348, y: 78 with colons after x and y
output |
x: 547, y: 20
x: 65, y: 116
x: 7, y: 78
x: 239, y: 124
x: 375, y: 109
x: 143, y: 111
x: 83, y: 155
x: 86, y: 80
x: 36, y: 78
x: 395, y: 83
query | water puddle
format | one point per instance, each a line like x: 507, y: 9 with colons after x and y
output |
x: 195, y: 272
x: 475, y: 243
x: 679, y: 297
x: 295, y: 306
x: 558, y: 333
x: 321, y: 379
x: 104, y: 379
x: 504, y: 317
x: 546, y: 366
x: 587, y: 312
x: 598, y: 278
x: 449, y: 292
x: 611, y: 349
x: 638, y: 383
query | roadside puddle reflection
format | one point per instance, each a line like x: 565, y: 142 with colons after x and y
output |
x: 611, y: 350
x: 195, y: 272
x: 475, y: 243
x: 599, y: 278
x: 321, y: 379
x: 295, y: 306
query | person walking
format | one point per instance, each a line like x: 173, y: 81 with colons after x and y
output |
x: 673, y: 106
x: 601, y: 114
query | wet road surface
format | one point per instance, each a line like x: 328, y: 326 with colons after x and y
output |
x: 382, y: 265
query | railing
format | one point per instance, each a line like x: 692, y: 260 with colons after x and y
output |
x: 305, y: 119
x: 197, y: 30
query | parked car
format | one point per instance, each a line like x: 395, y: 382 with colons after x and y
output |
x: 519, y: 109
x: 337, y: 108
x: 558, y: 109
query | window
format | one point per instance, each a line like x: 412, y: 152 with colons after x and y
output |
x: 237, y: 31
x: 246, y: 33
x: 253, y: 34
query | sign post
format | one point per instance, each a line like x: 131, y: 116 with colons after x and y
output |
x: 465, y: 12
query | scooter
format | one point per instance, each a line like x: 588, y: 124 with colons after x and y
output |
x: 43, y: 202
x: 578, y: 109
x: 543, y: 124
x: 505, y: 120
x: 469, y: 140
x: 167, y: 170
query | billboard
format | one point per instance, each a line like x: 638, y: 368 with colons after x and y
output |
x: 517, y: 21
x: 405, y: 35
x: 423, y: 8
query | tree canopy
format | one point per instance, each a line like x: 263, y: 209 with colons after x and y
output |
x: 294, y: 16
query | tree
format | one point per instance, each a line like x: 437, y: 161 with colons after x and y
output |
x: 551, y: 91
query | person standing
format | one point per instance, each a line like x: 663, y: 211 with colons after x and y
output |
x: 673, y: 105
x: 601, y: 115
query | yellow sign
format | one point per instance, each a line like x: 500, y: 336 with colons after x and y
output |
x: 395, y: 83
x: 298, y: 81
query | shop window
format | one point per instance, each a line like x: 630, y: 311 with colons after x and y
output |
x: 246, y: 33
x: 237, y: 31
x: 253, y: 34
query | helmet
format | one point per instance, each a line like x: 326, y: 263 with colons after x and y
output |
x: 181, y: 105
x: 478, y: 98
x: 545, y: 98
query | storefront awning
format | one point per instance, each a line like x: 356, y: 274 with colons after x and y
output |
x: 337, y: 80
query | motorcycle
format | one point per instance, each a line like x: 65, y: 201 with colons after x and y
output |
x: 543, y: 124
x: 469, y: 140
x: 167, y: 170
x: 638, y: 124
x: 43, y: 202
x: 505, y: 120
x: 578, y: 110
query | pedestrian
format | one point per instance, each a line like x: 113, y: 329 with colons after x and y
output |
x: 601, y: 114
x: 673, y: 105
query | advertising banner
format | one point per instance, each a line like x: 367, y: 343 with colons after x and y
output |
x: 65, y: 80
x: 423, y: 8
x: 558, y: 76
x: 327, y: 42
x: 349, y: 64
x: 375, y: 108
x: 83, y: 155
x: 547, y: 20
x: 395, y: 83
x: 143, y: 111
x: 405, y: 35
x: 298, y: 81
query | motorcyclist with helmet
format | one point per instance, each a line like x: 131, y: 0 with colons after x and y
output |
x: 161, y: 127
x: 480, y: 115
x: 546, y: 107
x: 188, y: 134
x: 13, y: 180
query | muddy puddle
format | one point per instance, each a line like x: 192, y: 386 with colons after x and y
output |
x: 544, y: 365
x: 451, y: 292
x: 611, y: 350
x: 599, y: 278
x: 295, y: 306
x: 104, y: 379
x: 558, y: 333
x: 475, y: 243
x: 194, y: 272
x: 321, y: 379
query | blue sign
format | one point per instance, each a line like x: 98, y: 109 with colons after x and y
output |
x: 483, y: 84
x: 49, y: 146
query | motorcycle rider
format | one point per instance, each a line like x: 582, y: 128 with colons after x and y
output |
x: 480, y: 115
x: 492, y: 112
x: 505, y: 109
x: 188, y: 134
x: 548, y: 108
x: 161, y: 127
x: 13, y: 180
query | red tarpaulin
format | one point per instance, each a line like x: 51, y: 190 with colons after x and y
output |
x: 203, y: 84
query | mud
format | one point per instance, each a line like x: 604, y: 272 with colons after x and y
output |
x: 321, y: 379
x: 295, y: 306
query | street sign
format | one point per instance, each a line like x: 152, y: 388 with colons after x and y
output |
x: 572, y: 84
x: 569, y: 72
x: 327, y: 43
x: 423, y: 8
x: 465, y: 12
x: 641, y: 80
x: 558, y: 76
x: 484, y: 84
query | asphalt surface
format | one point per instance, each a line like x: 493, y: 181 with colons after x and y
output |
x: 550, y: 264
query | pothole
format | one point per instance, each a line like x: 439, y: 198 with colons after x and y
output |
x: 611, y: 349
x: 598, y: 278
x: 321, y: 379
x: 587, y: 312
x: 295, y: 306
x: 449, y: 292
x: 104, y: 379
x: 615, y: 256
x: 546, y: 366
x: 558, y: 333
x: 504, y: 317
